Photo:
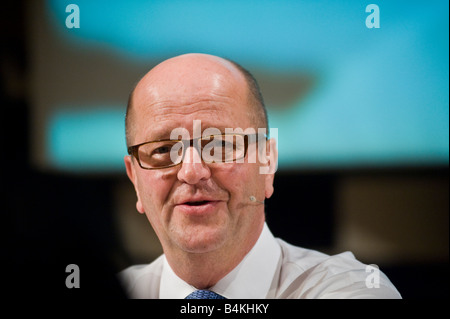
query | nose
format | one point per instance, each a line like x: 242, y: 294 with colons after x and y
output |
x: 193, y: 169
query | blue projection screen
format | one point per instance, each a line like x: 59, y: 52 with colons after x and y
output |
x: 346, y: 87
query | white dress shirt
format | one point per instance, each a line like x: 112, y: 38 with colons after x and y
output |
x: 272, y: 269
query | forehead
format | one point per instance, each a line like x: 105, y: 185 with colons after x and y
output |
x: 158, y: 121
x: 217, y: 99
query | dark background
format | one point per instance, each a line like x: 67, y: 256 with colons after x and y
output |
x: 52, y: 219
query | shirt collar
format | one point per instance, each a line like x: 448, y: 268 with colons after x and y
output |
x: 251, y: 279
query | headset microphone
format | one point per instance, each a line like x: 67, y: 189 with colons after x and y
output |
x: 253, y: 199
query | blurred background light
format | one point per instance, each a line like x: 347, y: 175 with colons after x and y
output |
x: 87, y: 140
x: 340, y: 94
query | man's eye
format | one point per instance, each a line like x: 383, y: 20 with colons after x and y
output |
x: 161, y: 150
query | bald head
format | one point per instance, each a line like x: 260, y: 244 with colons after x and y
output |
x: 181, y: 79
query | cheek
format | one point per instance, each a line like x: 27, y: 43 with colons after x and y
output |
x: 241, y: 180
x: 154, y: 188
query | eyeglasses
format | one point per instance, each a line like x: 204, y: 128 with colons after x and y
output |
x: 223, y: 148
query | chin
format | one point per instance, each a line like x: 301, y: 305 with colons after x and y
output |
x: 200, y: 240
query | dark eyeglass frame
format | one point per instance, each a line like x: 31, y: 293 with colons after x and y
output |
x: 134, y: 149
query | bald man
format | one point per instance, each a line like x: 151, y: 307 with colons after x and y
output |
x: 202, y: 166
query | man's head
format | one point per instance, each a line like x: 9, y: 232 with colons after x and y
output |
x: 255, y: 101
x: 196, y: 207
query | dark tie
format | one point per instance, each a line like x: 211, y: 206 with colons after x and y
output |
x: 204, y: 294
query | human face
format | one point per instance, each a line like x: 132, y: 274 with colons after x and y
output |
x: 196, y: 207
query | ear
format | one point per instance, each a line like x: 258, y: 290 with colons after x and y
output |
x: 272, y: 156
x: 129, y: 164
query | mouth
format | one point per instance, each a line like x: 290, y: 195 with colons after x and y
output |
x: 198, y: 207
x: 197, y: 203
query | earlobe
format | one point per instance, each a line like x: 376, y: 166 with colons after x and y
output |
x: 139, y: 206
x: 268, y: 190
x: 132, y: 176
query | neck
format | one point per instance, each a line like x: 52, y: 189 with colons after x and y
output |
x: 204, y: 270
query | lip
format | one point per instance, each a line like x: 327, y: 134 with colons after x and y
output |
x: 198, y: 206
